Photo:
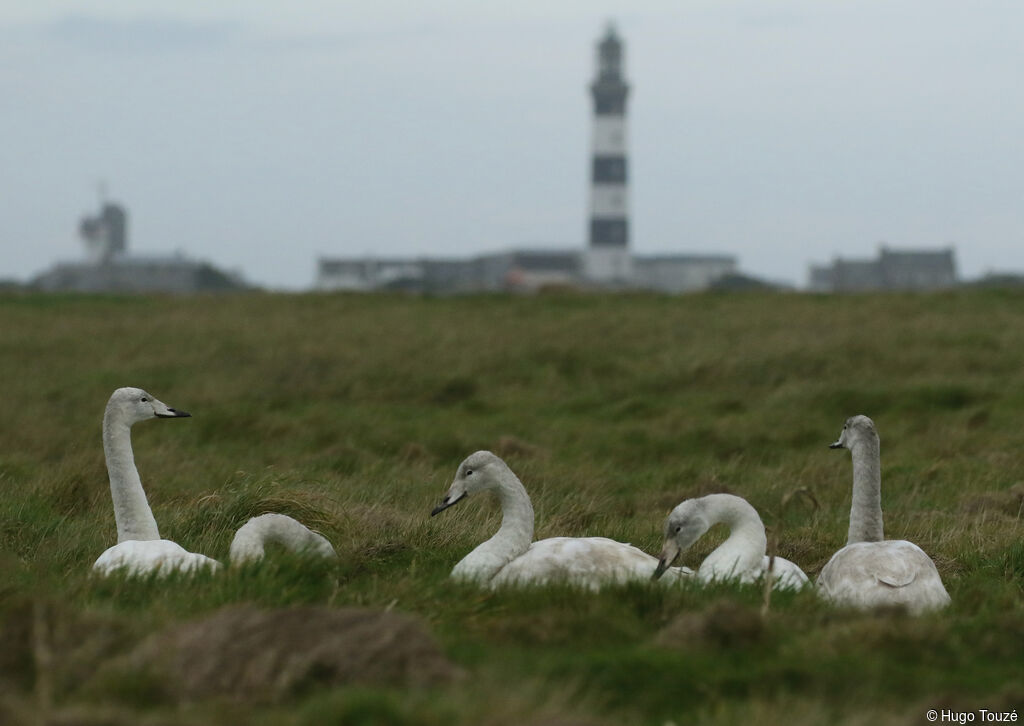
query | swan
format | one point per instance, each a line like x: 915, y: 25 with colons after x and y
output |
x: 140, y: 549
x: 511, y: 557
x: 871, y: 571
x: 253, y: 536
x: 741, y: 557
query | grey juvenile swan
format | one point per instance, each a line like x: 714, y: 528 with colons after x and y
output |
x: 511, y: 557
x: 741, y: 557
x: 871, y: 571
x: 139, y: 549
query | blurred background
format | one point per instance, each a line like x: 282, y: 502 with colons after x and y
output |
x: 263, y: 139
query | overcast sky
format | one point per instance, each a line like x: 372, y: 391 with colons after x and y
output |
x: 260, y: 135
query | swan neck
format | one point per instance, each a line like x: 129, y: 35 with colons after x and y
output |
x: 743, y: 550
x: 511, y: 540
x: 134, y: 518
x: 866, y: 506
x: 516, y: 511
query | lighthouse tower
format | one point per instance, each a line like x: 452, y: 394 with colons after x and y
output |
x: 607, y: 259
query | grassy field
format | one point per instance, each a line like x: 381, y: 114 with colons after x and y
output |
x: 352, y: 413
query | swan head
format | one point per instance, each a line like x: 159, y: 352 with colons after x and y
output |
x: 685, y: 525
x: 132, y: 405
x: 856, y: 430
x: 478, y: 472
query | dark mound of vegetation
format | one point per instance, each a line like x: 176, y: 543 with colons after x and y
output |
x: 252, y: 654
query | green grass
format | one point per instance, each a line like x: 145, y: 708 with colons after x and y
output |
x: 351, y: 413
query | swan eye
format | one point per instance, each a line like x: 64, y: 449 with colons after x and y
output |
x: 679, y: 528
x: 469, y: 472
x: 144, y: 399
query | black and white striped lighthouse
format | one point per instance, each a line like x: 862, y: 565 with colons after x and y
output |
x: 607, y: 259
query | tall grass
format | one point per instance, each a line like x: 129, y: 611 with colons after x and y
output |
x: 351, y: 413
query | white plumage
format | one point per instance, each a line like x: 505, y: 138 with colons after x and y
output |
x: 251, y: 539
x: 160, y: 556
x: 589, y: 561
x: 787, y: 575
x: 139, y: 549
x: 511, y: 557
x: 864, y: 575
x: 871, y: 571
x: 741, y: 556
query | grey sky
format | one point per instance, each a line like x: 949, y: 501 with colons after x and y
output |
x: 260, y: 135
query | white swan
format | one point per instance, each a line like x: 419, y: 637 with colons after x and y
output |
x: 871, y: 571
x: 253, y: 536
x: 741, y: 557
x: 139, y: 549
x: 511, y: 557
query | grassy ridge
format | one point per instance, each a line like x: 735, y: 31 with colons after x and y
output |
x: 352, y: 412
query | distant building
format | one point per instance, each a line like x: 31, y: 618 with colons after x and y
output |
x: 892, y: 270
x: 606, y: 262
x: 518, y: 270
x: 106, y: 234
x: 110, y: 268
x: 515, y: 271
x: 681, y: 273
x: 136, y: 274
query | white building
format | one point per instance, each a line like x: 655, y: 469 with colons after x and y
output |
x: 892, y: 270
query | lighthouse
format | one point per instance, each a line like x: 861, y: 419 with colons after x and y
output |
x: 607, y: 259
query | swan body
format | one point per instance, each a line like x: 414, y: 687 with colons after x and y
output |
x: 865, y: 575
x: 160, y: 556
x: 511, y: 557
x: 871, y: 571
x: 588, y: 561
x: 741, y: 556
x: 786, y: 574
x: 252, y: 537
x: 140, y: 549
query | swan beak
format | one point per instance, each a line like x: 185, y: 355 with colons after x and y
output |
x: 174, y: 413
x: 836, y: 445
x: 446, y: 502
x: 669, y: 554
